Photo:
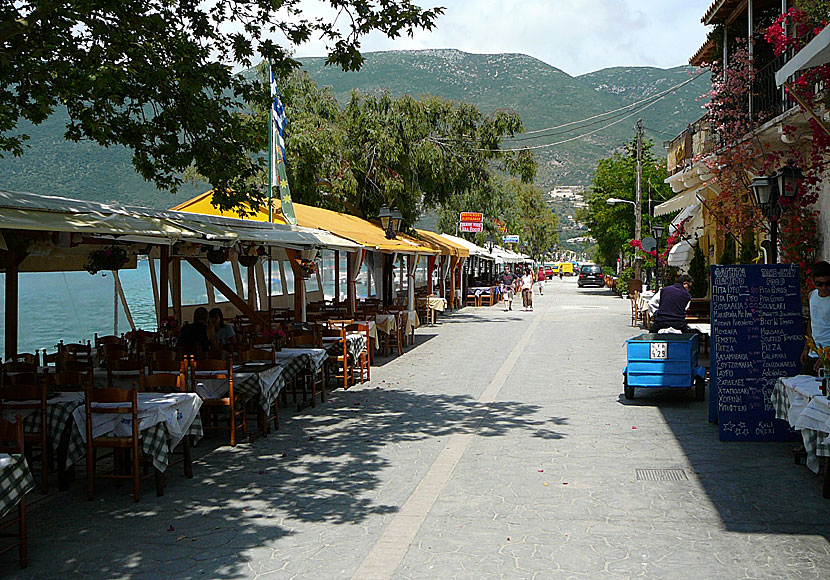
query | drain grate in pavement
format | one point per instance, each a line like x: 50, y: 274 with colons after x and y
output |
x: 661, y: 475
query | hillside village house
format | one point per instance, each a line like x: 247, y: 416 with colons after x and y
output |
x: 776, y: 128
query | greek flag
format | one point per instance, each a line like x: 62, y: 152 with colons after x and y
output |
x: 278, y: 117
x: 279, y: 176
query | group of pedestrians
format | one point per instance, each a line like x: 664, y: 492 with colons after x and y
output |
x: 521, y: 282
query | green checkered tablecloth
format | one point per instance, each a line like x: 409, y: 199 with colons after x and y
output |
x: 268, y: 383
x: 58, y: 414
x: 15, y: 481
x: 789, y: 403
x: 355, y: 343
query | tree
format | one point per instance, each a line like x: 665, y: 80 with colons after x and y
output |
x: 612, y: 226
x: 415, y: 154
x: 699, y: 273
x: 156, y: 75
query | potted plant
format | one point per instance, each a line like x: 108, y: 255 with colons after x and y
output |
x: 308, y: 268
x: 250, y: 256
x: 277, y: 336
x: 109, y: 258
x: 217, y: 255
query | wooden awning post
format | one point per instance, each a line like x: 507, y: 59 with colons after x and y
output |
x: 294, y: 258
x: 430, y: 268
x: 336, y: 277
x: 225, y: 290
x: 350, y: 288
x: 164, y: 277
x: 176, y: 286
x: 453, y: 271
x: 12, y: 298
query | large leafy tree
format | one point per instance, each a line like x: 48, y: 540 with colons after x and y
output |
x: 412, y: 153
x: 157, y: 75
x: 612, y: 226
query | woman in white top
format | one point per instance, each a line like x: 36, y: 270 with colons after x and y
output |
x: 818, y: 326
x: 527, y: 289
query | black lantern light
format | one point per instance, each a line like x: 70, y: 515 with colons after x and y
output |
x: 390, y: 221
x: 766, y: 192
x: 657, y: 231
x: 490, y: 242
x: 788, y: 178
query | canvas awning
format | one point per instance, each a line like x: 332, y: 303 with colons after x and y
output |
x: 471, y: 247
x: 353, y: 228
x: 678, y: 202
x: 816, y: 53
x: 444, y: 245
x: 27, y: 211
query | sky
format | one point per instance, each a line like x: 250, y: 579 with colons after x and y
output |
x: 577, y: 36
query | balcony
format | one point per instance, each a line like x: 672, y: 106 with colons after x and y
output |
x: 695, y: 142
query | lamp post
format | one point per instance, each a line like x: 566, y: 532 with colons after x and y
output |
x: 490, y: 241
x: 767, y: 192
x: 657, y: 231
x: 637, y: 226
x: 390, y: 221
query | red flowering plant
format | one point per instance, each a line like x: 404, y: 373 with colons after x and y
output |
x: 635, y: 251
x: 678, y: 235
x: 109, y: 258
x: 169, y: 323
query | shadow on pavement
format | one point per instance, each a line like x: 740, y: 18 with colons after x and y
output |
x: 755, y: 487
x: 327, y: 465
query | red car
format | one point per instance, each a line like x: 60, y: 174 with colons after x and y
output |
x: 548, y: 271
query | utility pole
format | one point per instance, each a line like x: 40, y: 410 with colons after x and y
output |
x: 638, y: 197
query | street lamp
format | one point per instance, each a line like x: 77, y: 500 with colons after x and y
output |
x: 614, y: 200
x: 657, y: 231
x: 637, y: 227
x: 490, y: 241
x: 390, y: 221
x: 768, y: 190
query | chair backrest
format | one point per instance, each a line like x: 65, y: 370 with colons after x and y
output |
x: 76, y: 348
x: 22, y: 379
x: 25, y: 357
x: 163, y: 383
x: 164, y: 355
x: 339, y: 323
x: 111, y: 395
x: 71, y: 364
x: 166, y: 367
x: 69, y: 381
x: 257, y: 354
x: 11, y: 435
x: 15, y: 367
x: 113, y: 351
x: 306, y: 339
x: 213, y: 366
x: 107, y: 339
x: 125, y: 369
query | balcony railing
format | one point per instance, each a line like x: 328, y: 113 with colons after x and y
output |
x: 696, y: 141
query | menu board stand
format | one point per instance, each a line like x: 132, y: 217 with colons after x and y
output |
x: 757, y: 337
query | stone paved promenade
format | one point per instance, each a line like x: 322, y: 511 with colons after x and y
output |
x: 499, y: 447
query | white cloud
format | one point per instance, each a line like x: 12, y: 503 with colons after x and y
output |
x: 577, y: 36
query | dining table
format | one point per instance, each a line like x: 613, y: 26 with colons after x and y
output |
x: 16, y: 481
x: 164, y: 420
x: 355, y: 343
x: 799, y: 401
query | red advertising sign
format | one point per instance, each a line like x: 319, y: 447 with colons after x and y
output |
x: 471, y: 227
x: 469, y: 216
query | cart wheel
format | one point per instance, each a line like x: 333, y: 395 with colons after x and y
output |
x: 628, y: 390
x: 700, y: 389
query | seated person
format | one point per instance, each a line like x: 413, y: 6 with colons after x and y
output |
x: 818, y: 325
x: 669, y: 306
x: 193, y: 337
x: 220, y: 333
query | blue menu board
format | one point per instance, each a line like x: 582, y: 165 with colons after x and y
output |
x: 757, y: 337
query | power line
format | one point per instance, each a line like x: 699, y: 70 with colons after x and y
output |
x: 629, y: 106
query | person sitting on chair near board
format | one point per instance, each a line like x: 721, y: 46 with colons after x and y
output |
x: 818, y: 325
x: 672, y: 303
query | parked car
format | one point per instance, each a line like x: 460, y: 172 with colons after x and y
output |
x: 548, y: 270
x: 590, y: 275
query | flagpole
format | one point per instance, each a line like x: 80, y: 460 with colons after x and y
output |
x: 270, y: 189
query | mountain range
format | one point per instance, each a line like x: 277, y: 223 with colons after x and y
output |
x: 544, y: 96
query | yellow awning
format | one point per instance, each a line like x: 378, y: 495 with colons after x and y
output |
x: 344, y: 225
x: 443, y: 245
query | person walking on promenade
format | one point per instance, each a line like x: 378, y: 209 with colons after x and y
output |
x: 527, y: 289
x: 818, y: 324
x: 670, y: 305
x: 506, y: 281
x: 540, y: 278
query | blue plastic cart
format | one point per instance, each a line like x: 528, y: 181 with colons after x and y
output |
x: 664, y: 360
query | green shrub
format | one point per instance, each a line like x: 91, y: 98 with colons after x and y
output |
x: 622, y: 282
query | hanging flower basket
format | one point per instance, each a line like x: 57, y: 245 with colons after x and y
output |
x: 109, y: 258
x: 218, y: 256
x: 248, y: 261
x: 308, y: 268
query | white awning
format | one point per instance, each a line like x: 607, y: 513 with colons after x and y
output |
x: 473, y: 248
x: 816, y: 53
x: 678, y: 202
x: 681, y: 254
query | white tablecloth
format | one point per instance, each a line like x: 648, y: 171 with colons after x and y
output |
x: 176, y: 410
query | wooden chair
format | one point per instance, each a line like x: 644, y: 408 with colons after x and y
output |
x: 472, y: 300
x: 634, y: 312
x: 79, y: 350
x: 489, y: 299
x: 162, y: 383
x: 12, y: 442
x: 69, y: 381
x: 395, y: 338
x: 77, y: 366
x: 339, y: 356
x: 25, y: 397
x: 107, y: 339
x: 111, y: 352
x: 117, y: 445
x: 257, y: 355
x: 125, y: 370
x: 25, y: 357
x: 220, y: 370
x: 362, y: 359
x: 19, y: 368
